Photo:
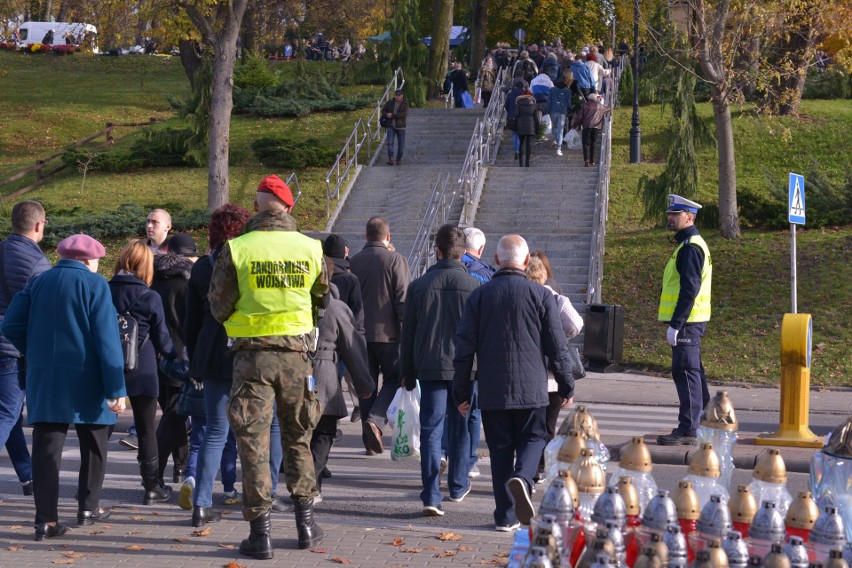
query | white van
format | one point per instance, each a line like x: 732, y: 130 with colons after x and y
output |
x: 83, y: 34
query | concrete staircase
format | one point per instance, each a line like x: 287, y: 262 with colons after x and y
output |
x: 551, y: 204
x: 436, y: 144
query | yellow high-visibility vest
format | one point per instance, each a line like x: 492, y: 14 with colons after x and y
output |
x: 671, y: 285
x: 275, y: 271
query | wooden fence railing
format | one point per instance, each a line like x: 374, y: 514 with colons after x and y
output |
x: 42, y: 164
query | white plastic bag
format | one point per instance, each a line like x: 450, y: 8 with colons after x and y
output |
x: 546, y: 125
x: 573, y: 140
x: 404, y: 418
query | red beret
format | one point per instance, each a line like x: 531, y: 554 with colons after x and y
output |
x: 276, y: 186
x: 80, y: 247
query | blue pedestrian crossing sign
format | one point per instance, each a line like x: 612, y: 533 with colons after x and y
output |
x: 796, y: 199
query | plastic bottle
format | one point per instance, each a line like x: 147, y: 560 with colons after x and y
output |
x: 719, y: 427
x: 795, y: 551
x: 736, y: 549
x: 660, y: 513
x: 767, y: 529
x: 591, y: 481
x: 631, y: 508
x: 831, y: 470
x: 688, y: 511
x: 704, y: 473
x: 558, y: 502
x: 769, y: 480
x: 828, y: 534
x: 563, y: 455
x: 635, y: 461
x: 713, y: 524
x: 610, y: 506
x: 802, y: 515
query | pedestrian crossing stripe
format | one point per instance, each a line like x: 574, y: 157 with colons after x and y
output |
x: 796, y: 199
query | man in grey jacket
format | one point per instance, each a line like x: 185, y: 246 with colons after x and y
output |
x: 384, y: 277
x: 433, y: 308
x: 21, y: 260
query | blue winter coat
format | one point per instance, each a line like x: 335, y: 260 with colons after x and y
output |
x: 559, y: 101
x: 509, y: 105
x: 478, y: 269
x: 66, y: 326
x: 511, y: 324
x: 583, y: 75
x: 148, y: 312
x: 22, y: 260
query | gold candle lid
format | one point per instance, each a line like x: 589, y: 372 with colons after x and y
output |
x: 718, y: 558
x: 719, y: 413
x: 648, y: 559
x: 705, y: 462
x: 581, y: 420
x: 571, y: 486
x: 776, y: 558
x: 803, y: 512
x: 630, y: 495
x: 686, y: 501
x: 835, y: 560
x: 601, y: 545
x: 839, y: 442
x: 743, y: 505
x: 636, y: 456
x: 588, y: 473
x: 662, y: 551
x: 570, y: 450
x: 770, y: 467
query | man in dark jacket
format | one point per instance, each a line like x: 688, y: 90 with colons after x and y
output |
x: 20, y: 260
x: 396, y: 111
x: 384, y: 277
x: 433, y: 308
x: 591, y: 118
x: 460, y: 84
x: 511, y: 325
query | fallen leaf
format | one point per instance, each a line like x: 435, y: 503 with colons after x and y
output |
x: 318, y: 550
x: 340, y: 560
x: 411, y: 550
x: 449, y: 536
x: 431, y: 548
x: 181, y: 539
x: 72, y: 554
x: 155, y: 513
x: 501, y: 554
x: 224, y: 545
x: 16, y: 548
x: 203, y: 532
x: 134, y: 547
x: 398, y: 541
x: 445, y: 554
x: 137, y: 518
x: 64, y: 561
x: 96, y: 531
x: 464, y: 548
x: 234, y: 564
x: 15, y: 527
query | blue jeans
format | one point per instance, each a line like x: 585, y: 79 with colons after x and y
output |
x: 516, y: 142
x: 400, y: 147
x: 219, y: 447
x: 228, y: 464
x: 558, y: 120
x: 437, y: 412
x: 12, y: 371
x: 276, y: 450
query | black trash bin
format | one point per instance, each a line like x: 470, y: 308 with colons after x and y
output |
x: 603, y: 344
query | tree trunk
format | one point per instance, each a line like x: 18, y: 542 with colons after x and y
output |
x: 46, y: 11
x: 248, y: 32
x: 220, y: 121
x: 729, y: 223
x: 189, y: 58
x: 478, y: 42
x: 62, y: 15
x: 439, y: 50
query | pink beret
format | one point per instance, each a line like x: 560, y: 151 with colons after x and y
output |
x: 80, y: 247
x: 276, y: 186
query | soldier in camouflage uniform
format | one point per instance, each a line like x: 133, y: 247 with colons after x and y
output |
x: 265, y: 287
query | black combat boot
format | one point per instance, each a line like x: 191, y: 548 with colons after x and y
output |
x: 203, y: 515
x: 310, y: 533
x: 259, y: 543
x: 155, y: 490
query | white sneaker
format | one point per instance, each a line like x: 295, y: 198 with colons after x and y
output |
x: 559, y: 152
x: 473, y: 473
x: 520, y: 495
x: 433, y: 511
x: 443, y: 466
x: 507, y: 528
x: 185, y: 498
x: 461, y: 497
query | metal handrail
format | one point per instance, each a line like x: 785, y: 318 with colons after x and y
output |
x: 346, y: 159
x: 449, y: 97
x: 373, y: 126
x: 294, y: 179
x: 437, y: 213
x: 593, y: 290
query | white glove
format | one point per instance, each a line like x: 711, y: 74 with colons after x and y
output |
x: 671, y: 336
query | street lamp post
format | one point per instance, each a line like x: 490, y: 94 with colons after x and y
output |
x: 635, y: 131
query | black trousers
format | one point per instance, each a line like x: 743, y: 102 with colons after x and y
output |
x: 554, y: 405
x: 689, y: 378
x: 321, y: 442
x: 590, y: 138
x: 526, y: 149
x: 48, y: 442
x: 383, y: 358
x: 145, y: 417
x: 171, y: 431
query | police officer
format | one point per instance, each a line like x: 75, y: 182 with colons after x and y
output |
x: 685, y: 306
x: 265, y: 287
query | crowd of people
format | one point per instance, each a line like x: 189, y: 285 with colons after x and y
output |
x: 252, y: 343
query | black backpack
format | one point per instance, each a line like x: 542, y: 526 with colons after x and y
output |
x: 128, y: 333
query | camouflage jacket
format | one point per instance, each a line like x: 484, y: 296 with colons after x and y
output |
x: 224, y: 288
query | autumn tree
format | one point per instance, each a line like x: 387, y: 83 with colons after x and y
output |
x: 408, y: 51
x: 439, y: 49
x: 478, y: 32
x: 219, y: 22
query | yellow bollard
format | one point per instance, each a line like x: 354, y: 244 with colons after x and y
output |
x: 793, y: 429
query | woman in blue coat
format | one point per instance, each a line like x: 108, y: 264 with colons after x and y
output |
x: 66, y: 326
x: 131, y: 294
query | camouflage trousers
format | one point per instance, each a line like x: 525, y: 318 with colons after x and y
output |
x: 262, y: 378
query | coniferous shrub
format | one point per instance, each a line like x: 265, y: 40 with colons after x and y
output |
x: 284, y: 153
